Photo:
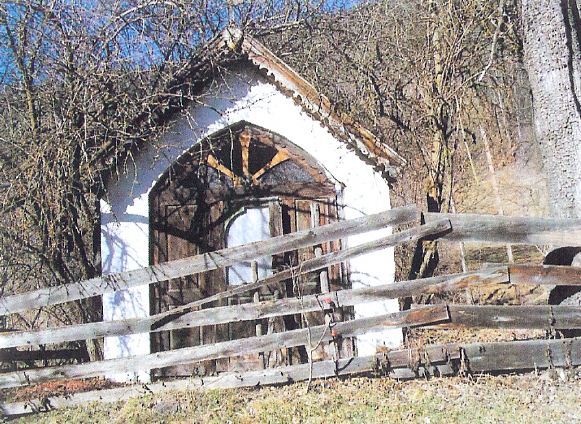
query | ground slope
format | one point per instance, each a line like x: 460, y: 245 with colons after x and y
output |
x: 545, y: 398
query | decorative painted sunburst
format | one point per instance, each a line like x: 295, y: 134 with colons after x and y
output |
x: 246, y: 159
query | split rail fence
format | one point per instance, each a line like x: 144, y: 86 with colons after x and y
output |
x: 428, y: 360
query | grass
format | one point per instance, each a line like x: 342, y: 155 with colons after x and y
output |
x: 508, y: 399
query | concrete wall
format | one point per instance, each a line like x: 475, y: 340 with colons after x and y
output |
x: 244, y: 95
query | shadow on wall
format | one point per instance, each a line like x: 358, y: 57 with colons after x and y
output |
x: 119, y: 256
x: 153, y: 159
x: 115, y: 247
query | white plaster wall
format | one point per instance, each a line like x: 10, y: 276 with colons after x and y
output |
x: 244, y: 96
x: 125, y: 246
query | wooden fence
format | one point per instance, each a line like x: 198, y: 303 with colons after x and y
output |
x: 429, y: 360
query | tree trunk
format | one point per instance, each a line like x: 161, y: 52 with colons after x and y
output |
x: 552, y: 46
x: 552, y: 56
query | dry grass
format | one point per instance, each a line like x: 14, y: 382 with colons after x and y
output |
x: 510, y: 399
x: 420, y: 337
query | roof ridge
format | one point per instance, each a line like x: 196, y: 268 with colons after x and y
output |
x: 307, y: 94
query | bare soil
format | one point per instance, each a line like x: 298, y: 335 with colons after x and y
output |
x: 55, y: 388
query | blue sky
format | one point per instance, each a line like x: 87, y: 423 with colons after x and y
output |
x: 135, y: 50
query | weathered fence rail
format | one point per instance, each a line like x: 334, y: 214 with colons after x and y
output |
x: 547, y: 317
x: 431, y: 360
x: 470, y: 227
x: 507, y: 317
x: 441, y: 360
x: 14, y: 355
x: 205, y: 262
x: 411, y: 318
x: 509, y: 229
x: 499, y: 274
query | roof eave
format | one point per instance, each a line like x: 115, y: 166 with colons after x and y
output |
x: 310, y: 99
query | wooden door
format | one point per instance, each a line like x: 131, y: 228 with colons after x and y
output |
x: 259, y: 220
x: 178, y: 235
x: 194, y: 206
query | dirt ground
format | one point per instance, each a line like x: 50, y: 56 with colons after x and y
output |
x: 55, y: 388
x: 549, y: 397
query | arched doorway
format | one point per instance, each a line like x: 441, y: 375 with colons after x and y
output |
x: 242, y: 184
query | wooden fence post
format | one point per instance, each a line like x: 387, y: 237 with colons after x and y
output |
x: 256, y: 299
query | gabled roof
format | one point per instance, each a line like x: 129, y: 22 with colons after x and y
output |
x: 232, y: 46
x: 313, y: 102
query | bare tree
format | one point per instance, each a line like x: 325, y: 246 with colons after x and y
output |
x: 81, y: 83
x: 426, y: 76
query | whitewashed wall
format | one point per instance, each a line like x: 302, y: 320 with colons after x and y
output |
x: 250, y: 97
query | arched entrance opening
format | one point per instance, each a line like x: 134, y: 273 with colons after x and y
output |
x: 242, y: 184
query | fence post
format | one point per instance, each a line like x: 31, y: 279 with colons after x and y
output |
x: 256, y: 299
